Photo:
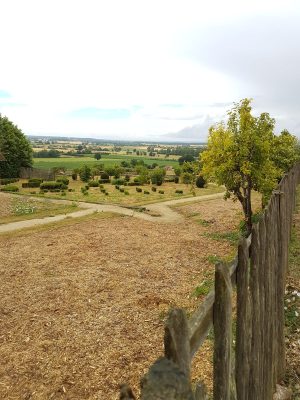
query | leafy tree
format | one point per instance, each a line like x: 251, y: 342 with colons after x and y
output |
x: 186, y: 158
x: 85, y: 173
x: 285, y: 151
x: 157, y: 176
x: 239, y: 156
x: 97, y: 156
x: 15, y: 147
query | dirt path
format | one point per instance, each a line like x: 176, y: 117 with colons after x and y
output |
x: 162, y: 212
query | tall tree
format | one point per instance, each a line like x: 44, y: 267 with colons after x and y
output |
x: 15, y: 147
x: 239, y: 156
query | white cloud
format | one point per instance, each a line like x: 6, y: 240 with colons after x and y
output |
x: 62, y: 56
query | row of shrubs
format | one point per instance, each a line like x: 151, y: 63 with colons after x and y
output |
x: 7, y: 181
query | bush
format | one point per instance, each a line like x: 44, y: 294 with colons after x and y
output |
x: 126, y: 192
x: 134, y: 184
x: 6, y: 181
x: 31, y: 184
x: 139, y: 190
x: 63, y: 179
x: 104, y: 176
x: 39, y: 180
x: 102, y: 190
x: 127, y: 178
x: 87, y: 187
x: 161, y: 192
x: 122, y: 190
x: 51, y: 185
x: 179, y: 191
x: 101, y: 186
x: 106, y: 194
x: 118, y: 181
x: 63, y: 193
x: 83, y: 190
x: 74, y: 176
x: 85, y: 173
x: 104, y: 180
x: 117, y: 187
x: 10, y: 188
x: 146, y: 192
x: 93, y: 184
x: 176, y: 179
x: 153, y: 189
x: 200, y: 182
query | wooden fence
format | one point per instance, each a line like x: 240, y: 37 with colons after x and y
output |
x: 252, y: 369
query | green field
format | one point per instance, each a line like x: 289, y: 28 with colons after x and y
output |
x: 107, y: 160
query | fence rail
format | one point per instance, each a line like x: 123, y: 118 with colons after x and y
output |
x: 251, y: 371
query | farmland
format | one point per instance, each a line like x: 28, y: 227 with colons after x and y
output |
x: 108, y: 160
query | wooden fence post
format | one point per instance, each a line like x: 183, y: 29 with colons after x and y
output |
x: 243, y: 331
x: 176, y: 340
x: 222, y: 316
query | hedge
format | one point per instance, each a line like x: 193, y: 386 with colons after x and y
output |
x: 10, y: 188
x: 50, y: 185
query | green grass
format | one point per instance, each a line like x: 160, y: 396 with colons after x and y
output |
x: 108, y: 160
x: 114, y: 196
x: 24, y: 209
x: 232, y: 236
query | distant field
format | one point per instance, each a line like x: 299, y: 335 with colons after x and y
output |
x: 107, y: 160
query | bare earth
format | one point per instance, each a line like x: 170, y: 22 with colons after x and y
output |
x: 82, y: 305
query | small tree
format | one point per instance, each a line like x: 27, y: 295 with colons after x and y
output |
x: 85, y: 173
x: 239, y: 156
x: 97, y: 156
x: 157, y: 176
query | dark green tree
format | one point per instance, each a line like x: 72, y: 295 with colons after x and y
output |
x: 15, y: 147
x: 85, y: 173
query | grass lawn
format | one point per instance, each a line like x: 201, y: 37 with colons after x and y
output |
x: 116, y: 197
x: 107, y: 160
x: 19, y: 208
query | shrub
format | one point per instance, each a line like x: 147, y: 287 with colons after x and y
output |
x: 117, y: 187
x: 93, y: 184
x: 63, y: 193
x: 126, y: 192
x: 161, y: 192
x: 31, y: 184
x: 134, y: 184
x: 101, y: 186
x: 200, y: 182
x: 104, y: 180
x: 85, y: 173
x: 6, y: 181
x: 104, y: 176
x: 122, y: 190
x: 83, y: 190
x: 10, y: 188
x: 153, y: 189
x: 106, y: 193
x: 74, y: 176
x: 118, y: 181
x: 51, y: 185
x: 146, y: 192
x: 127, y: 178
x: 136, y: 180
x: 63, y: 179
x: 176, y: 179
x: 179, y: 191
x: 139, y: 190
x: 87, y: 187
x: 102, y: 190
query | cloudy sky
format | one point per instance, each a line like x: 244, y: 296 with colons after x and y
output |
x: 146, y: 69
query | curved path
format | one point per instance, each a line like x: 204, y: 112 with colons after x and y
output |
x: 162, y: 212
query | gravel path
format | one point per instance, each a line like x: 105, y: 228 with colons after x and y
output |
x: 162, y: 212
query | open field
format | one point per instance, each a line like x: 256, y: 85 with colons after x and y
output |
x: 107, y: 160
x: 114, y: 196
x: 18, y: 208
x: 83, y: 302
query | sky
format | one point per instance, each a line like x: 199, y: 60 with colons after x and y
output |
x: 146, y: 69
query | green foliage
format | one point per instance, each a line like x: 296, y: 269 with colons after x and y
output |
x: 74, y: 176
x: 15, y: 147
x: 63, y: 179
x: 204, y: 288
x: 179, y: 191
x: 85, y: 173
x: 51, y: 153
x: 104, y: 176
x: 139, y: 190
x: 232, y: 236
x: 51, y: 185
x: 285, y: 151
x: 9, y: 188
x: 93, y: 183
x: 157, y: 176
x: 153, y: 189
x: 239, y: 156
x: 97, y: 156
x: 186, y: 158
x: 118, y: 181
x: 161, y: 192
x: 6, y: 181
x: 200, y: 182
x: 146, y: 192
x: 176, y: 179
